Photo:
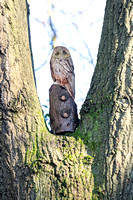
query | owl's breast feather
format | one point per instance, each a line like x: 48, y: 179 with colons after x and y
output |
x: 59, y: 70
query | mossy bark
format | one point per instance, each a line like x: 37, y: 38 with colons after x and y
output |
x: 107, y: 114
x: 34, y: 164
x: 93, y: 163
x: 20, y: 112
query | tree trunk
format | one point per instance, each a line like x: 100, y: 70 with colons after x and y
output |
x: 107, y: 114
x: 21, y: 120
x: 96, y: 161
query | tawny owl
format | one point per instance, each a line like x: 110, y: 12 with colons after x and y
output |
x: 62, y: 69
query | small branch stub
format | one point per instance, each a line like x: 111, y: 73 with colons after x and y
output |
x: 63, y: 110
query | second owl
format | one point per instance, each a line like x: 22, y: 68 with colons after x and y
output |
x: 62, y: 69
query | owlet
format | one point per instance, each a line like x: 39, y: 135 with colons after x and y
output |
x: 62, y: 69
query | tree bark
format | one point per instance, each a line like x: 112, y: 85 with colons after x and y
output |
x: 21, y: 120
x: 96, y: 161
x: 107, y: 114
x: 34, y: 164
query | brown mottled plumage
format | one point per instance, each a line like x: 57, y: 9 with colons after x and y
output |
x: 62, y: 69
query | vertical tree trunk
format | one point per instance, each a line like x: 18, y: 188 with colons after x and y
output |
x: 21, y: 119
x: 107, y: 114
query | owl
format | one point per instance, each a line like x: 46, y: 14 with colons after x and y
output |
x: 62, y: 69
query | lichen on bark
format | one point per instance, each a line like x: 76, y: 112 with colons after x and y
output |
x: 66, y: 171
x: 111, y: 89
x: 92, y: 163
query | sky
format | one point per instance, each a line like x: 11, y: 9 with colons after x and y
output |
x: 78, y: 26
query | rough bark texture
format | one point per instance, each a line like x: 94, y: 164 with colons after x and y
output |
x: 34, y: 164
x: 20, y: 111
x: 95, y: 162
x: 107, y: 114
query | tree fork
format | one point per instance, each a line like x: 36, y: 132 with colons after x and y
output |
x: 34, y: 163
x: 94, y: 162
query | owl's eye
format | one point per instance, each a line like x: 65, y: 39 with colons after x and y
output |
x: 57, y: 53
x: 64, y: 52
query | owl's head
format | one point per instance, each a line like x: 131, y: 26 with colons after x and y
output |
x: 60, y: 52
